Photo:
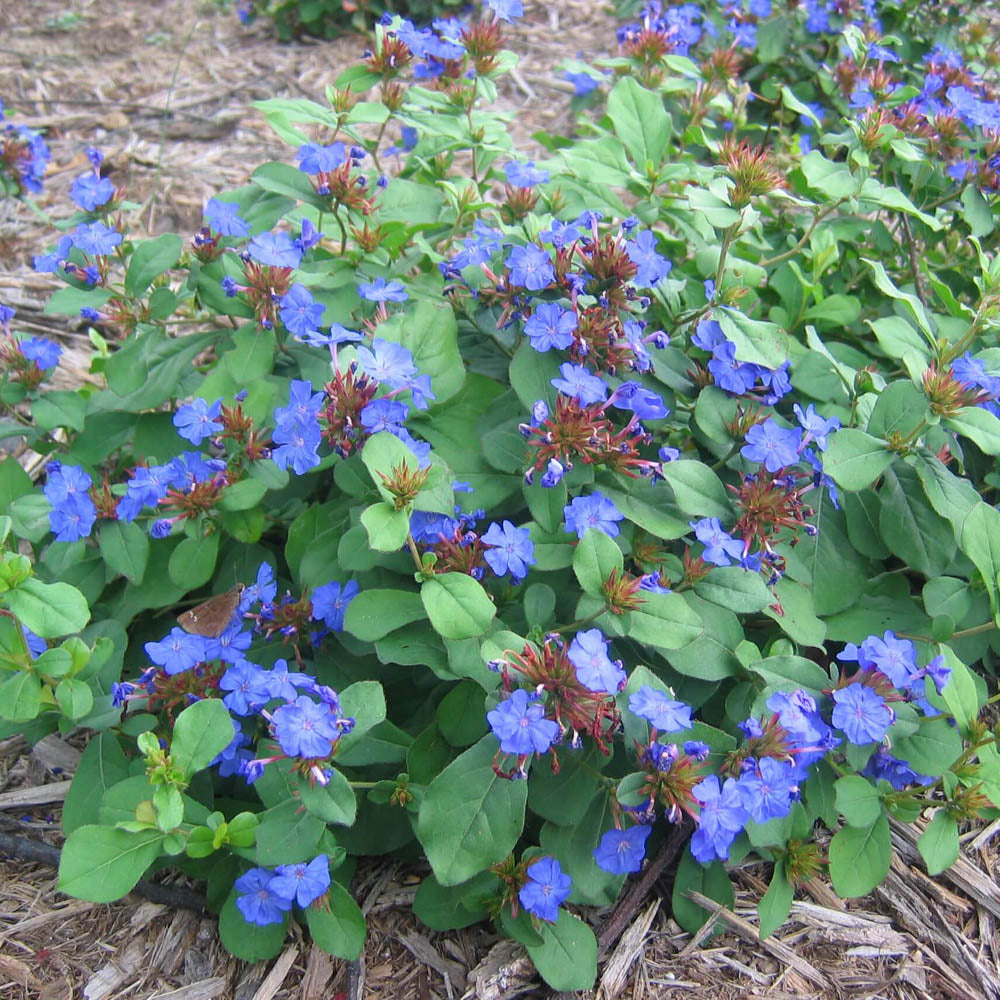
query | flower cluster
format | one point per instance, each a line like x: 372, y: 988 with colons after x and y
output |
x: 24, y: 157
x: 27, y: 361
x: 738, y: 378
x: 264, y: 895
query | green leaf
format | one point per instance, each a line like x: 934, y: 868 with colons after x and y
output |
x: 960, y: 693
x: 449, y: 908
x: 202, y: 731
x: 910, y: 527
x: 244, y: 494
x: 859, y: 858
x: 977, y: 212
x: 250, y: 942
x: 387, y: 528
x: 776, y: 903
x: 640, y: 121
x: 932, y: 749
x: 756, y: 341
x: 125, y: 548
x: 710, y: 880
x: 252, y: 356
x: 149, y: 260
x: 287, y: 835
x: 734, y: 588
x: 48, y: 609
x: 645, y: 505
x: 375, y: 613
x: 798, y: 614
x: 938, y: 844
x: 59, y: 409
x: 74, y: 697
x: 469, y: 818
x: 460, y: 716
x: 698, y: 491
x: 429, y: 330
x: 912, y: 304
x: 102, y: 864
x: 978, y: 425
x: 20, y: 697
x: 595, y: 557
x: 334, y: 802
x: 192, y: 563
x: 899, y: 409
x: 339, y: 927
x: 567, y: 957
x: 102, y: 765
x: 666, y: 621
x: 382, y: 454
x: 854, y: 459
x: 794, y: 671
x: 457, y: 605
x: 980, y: 541
x: 858, y: 800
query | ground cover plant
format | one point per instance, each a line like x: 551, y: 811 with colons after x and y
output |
x: 551, y: 509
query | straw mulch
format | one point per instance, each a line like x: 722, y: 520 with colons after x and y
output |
x: 164, y: 88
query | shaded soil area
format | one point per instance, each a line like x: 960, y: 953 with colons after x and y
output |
x: 164, y: 88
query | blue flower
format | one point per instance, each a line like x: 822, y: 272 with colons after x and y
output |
x: 45, y: 353
x: 660, y: 709
x: 652, y: 267
x: 506, y: 10
x: 90, y: 191
x: 275, y: 250
x: 620, y: 852
x: 248, y: 688
x: 302, y: 883
x: 381, y: 291
x: 198, y: 420
x: 300, y: 312
x: 588, y: 652
x: 766, y: 789
x: 722, y: 818
x: 298, y: 443
x: 644, y: 403
x: 882, y: 765
x: 861, y: 714
x: 729, y: 374
x: 772, y: 444
x: 384, y: 415
x: 720, y: 547
x: 593, y: 511
x: 520, y: 725
x: 305, y: 728
x: 316, y: 159
x: 524, y: 175
x: 338, y: 335
x: 73, y: 512
x: 531, y: 267
x: 427, y: 528
x: 95, y: 238
x: 224, y: 218
x: 387, y: 362
x: 330, y: 601
x: 577, y: 382
x: 550, y: 326
x: 178, y: 652
x: 145, y: 488
x: 583, y: 83
x: 255, y: 899
x: 547, y: 884
x: 512, y: 550
x: 815, y: 426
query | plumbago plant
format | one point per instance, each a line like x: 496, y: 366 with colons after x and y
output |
x: 572, y: 505
x: 24, y: 156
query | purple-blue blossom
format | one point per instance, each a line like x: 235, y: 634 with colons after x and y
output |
x: 550, y: 326
x: 720, y: 547
x: 773, y: 445
x: 593, y: 511
x: 316, y: 159
x: 95, y: 238
x: 255, y: 899
x: 520, y: 725
x: 524, y: 175
x: 530, y: 267
x: 767, y: 788
x: 548, y: 885
x: 306, y: 728
x: 275, y: 250
x: 652, y: 267
x: 387, y: 362
x: 380, y: 290
x: 588, y: 652
x: 577, y: 382
x: 224, y: 218
x: 722, y: 817
x: 198, y: 420
x: 178, y: 652
x: 89, y: 191
x: 861, y: 714
x: 511, y: 550
x: 660, y: 710
x: 621, y: 852
x: 302, y: 883
x: 45, y: 353
x: 300, y: 312
x: 330, y: 602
